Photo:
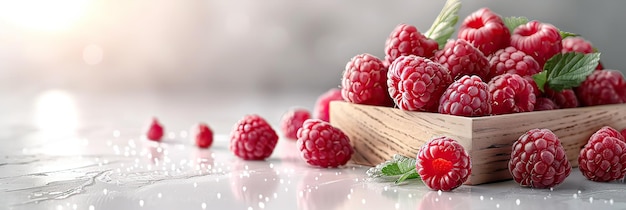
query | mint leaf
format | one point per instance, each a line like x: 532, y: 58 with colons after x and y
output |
x: 399, y: 168
x: 568, y: 70
x: 443, y: 27
x: 514, y: 22
x: 540, y: 79
x: 565, y: 34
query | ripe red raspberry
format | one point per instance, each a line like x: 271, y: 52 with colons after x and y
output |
x: 467, y: 96
x: 323, y: 145
x: 534, y: 85
x: 322, y: 104
x: 623, y: 132
x: 510, y: 93
x: 538, y: 160
x: 602, y: 87
x: 461, y: 58
x: 292, y: 121
x: 365, y: 81
x: 443, y: 164
x: 540, y: 40
x: 407, y: 40
x: 155, y: 131
x: 544, y: 103
x: 564, y: 99
x: 512, y: 60
x: 417, y: 83
x: 603, y: 158
x: 252, y: 138
x: 204, y: 135
x: 578, y: 44
x: 485, y: 30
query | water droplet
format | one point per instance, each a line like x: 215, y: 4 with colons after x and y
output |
x: 219, y: 195
x: 195, y: 184
x: 271, y: 165
x: 183, y: 134
x: 244, y: 188
x: 552, y: 189
x: 490, y: 198
x: 579, y: 192
x: 439, y: 192
x: 159, y: 195
x: 397, y: 205
x: 105, y: 191
x: 250, y: 208
x: 349, y: 197
x: 482, y: 198
x: 385, y: 188
x: 91, y: 207
x: 611, y: 201
x: 410, y: 195
x: 498, y: 205
x: 363, y: 201
x: 141, y: 203
x: 116, y: 133
x: 203, y: 205
x: 275, y: 195
x: 590, y: 199
x: 449, y: 198
x: 59, y: 207
x: 74, y: 206
x: 575, y: 196
x: 517, y: 202
x: 261, y: 205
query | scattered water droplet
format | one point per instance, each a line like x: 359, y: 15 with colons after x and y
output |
x: 244, y: 188
x: 363, y: 201
x: 105, y: 191
x: 482, y: 198
x: 159, y: 195
x: 261, y: 205
x: 59, y: 207
x: 275, y: 195
x: 575, y: 196
x: 439, y: 192
x: 249, y: 207
x: 397, y: 205
x: 219, y: 195
x: 579, y: 192
x: 195, y: 184
x: 203, y: 205
x: 517, y: 202
x: 91, y: 207
x: 590, y: 199
x: 141, y: 203
x: 349, y: 197
x: 611, y: 201
x: 498, y: 205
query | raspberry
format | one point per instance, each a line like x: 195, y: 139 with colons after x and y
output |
x: 407, y: 40
x: 510, y: 93
x: 155, y: 132
x: 540, y: 40
x: 443, y: 164
x: 578, y: 44
x: 602, y: 87
x: 485, y: 30
x: 323, y: 145
x: 538, y: 160
x: 534, y: 84
x: 292, y: 121
x: 252, y: 138
x: 544, y: 103
x: 204, y: 136
x: 512, y: 60
x: 564, y: 98
x: 623, y: 132
x: 603, y: 158
x: 322, y: 104
x: 365, y: 81
x: 461, y: 58
x: 467, y: 96
x: 417, y: 83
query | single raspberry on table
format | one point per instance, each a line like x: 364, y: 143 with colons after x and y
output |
x: 540, y: 40
x: 511, y: 93
x: 602, y: 87
x: 252, y: 138
x: 512, y: 60
x: 364, y: 81
x: 538, y: 160
x: 485, y: 30
x: 461, y: 58
x: 603, y: 158
x: 443, y: 164
x: 416, y: 83
x: 291, y: 121
x: 407, y: 40
x: 468, y: 96
x: 155, y: 131
x: 544, y: 103
x: 564, y: 99
x: 203, y: 135
x: 323, y: 145
x: 322, y: 104
x: 578, y: 44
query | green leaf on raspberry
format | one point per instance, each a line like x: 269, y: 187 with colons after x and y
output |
x: 567, y: 70
x: 399, y: 168
x: 514, y: 22
x: 443, y: 27
x: 565, y: 34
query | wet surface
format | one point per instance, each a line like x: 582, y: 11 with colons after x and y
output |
x: 105, y: 162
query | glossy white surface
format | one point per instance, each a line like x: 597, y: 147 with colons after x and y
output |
x: 72, y: 150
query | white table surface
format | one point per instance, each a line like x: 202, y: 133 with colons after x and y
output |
x: 76, y: 150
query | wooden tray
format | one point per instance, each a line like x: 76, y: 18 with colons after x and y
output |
x: 379, y: 132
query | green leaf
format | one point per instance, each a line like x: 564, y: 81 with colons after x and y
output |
x: 399, y: 168
x: 514, y: 22
x: 443, y: 27
x: 565, y: 34
x: 568, y: 70
x: 540, y: 79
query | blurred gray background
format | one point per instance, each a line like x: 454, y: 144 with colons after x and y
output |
x: 271, y: 46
